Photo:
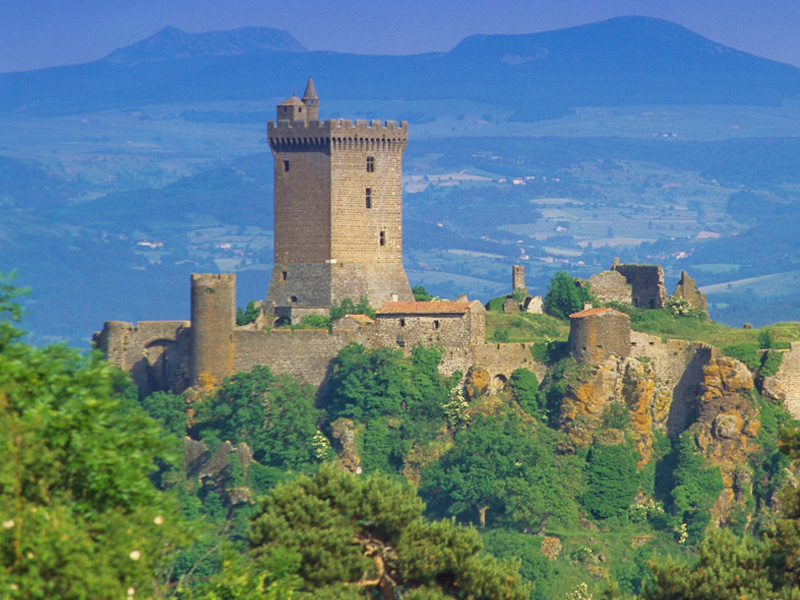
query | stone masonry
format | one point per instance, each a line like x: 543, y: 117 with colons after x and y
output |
x: 596, y: 334
x: 338, y: 210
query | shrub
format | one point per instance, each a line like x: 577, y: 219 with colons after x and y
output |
x: 770, y: 364
x: 765, y: 340
x: 747, y: 352
x: 496, y: 304
x: 611, y: 479
x: 315, y: 322
x: 245, y: 317
x: 421, y: 294
x: 525, y: 390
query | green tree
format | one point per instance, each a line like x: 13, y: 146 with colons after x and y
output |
x: 274, y: 415
x: 726, y: 568
x: 168, y: 409
x: 347, y: 307
x: 401, y: 399
x: 564, y: 296
x: 80, y: 516
x: 611, y: 481
x: 525, y: 390
x: 361, y: 536
x: 697, y: 487
x: 507, y: 466
x: 421, y: 294
x: 245, y: 317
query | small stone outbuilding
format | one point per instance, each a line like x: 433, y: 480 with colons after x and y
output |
x: 596, y: 334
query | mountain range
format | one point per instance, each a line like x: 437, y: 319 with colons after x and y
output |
x: 622, y: 61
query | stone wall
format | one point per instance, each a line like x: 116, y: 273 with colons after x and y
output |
x: 788, y: 376
x: 304, y: 353
x: 155, y: 353
x: 597, y: 334
x: 611, y: 286
x: 647, y: 284
x: 501, y: 360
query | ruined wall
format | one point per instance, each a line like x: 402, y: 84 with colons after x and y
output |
x: 501, y: 360
x: 155, y: 353
x: 647, y: 284
x: 518, y: 278
x: 611, y: 286
x: 788, y: 376
x: 687, y: 290
x: 213, y: 322
x: 598, y: 334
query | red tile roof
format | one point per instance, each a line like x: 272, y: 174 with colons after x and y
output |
x: 423, y: 308
x: 592, y: 312
x: 362, y: 319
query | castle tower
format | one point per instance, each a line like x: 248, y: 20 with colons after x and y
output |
x: 213, y: 321
x: 338, y: 210
x: 311, y: 101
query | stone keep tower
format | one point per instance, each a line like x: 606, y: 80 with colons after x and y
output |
x: 338, y: 210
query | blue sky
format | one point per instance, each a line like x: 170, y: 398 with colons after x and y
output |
x: 43, y: 33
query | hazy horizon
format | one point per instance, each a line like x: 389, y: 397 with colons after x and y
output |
x: 46, y: 33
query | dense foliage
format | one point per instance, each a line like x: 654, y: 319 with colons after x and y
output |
x: 400, y: 400
x: 356, y: 536
x: 80, y: 515
x: 506, y: 468
x: 565, y: 296
x: 274, y: 415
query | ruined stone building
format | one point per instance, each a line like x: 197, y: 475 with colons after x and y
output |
x: 643, y: 286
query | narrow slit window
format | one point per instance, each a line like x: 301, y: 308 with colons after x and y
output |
x: 436, y: 324
x: 286, y: 166
x: 383, y: 238
x: 283, y: 275
x: 369, y: 198
x: 370, y: 164
x: 402, y: 322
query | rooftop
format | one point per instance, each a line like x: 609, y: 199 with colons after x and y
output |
x: 593, y: 312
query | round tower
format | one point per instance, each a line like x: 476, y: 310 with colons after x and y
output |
x: 213, y: 322
x: 311, y: 101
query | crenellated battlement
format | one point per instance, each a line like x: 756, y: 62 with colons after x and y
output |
x: 337, y: 133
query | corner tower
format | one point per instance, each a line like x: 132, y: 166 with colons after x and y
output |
x: 338, y: 209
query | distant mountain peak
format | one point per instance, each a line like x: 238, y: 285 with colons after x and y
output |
x: 172, y: 43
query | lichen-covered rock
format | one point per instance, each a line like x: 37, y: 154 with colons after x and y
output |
x: 477, y: 383
x: 772, y: 389
x: 551, y: 547
x: 726, y: 428
x: 343, y: 432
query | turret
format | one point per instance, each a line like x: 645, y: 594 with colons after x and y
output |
x: 311, y: 101
x: 213, y: 321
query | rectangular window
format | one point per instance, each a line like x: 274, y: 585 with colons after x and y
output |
x: 369, y: 197
x: 383, y: 238
x: 283, y: 275
x: 370, y: 164
x: 286, y: 166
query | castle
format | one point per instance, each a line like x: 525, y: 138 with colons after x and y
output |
x: 338, y: 235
